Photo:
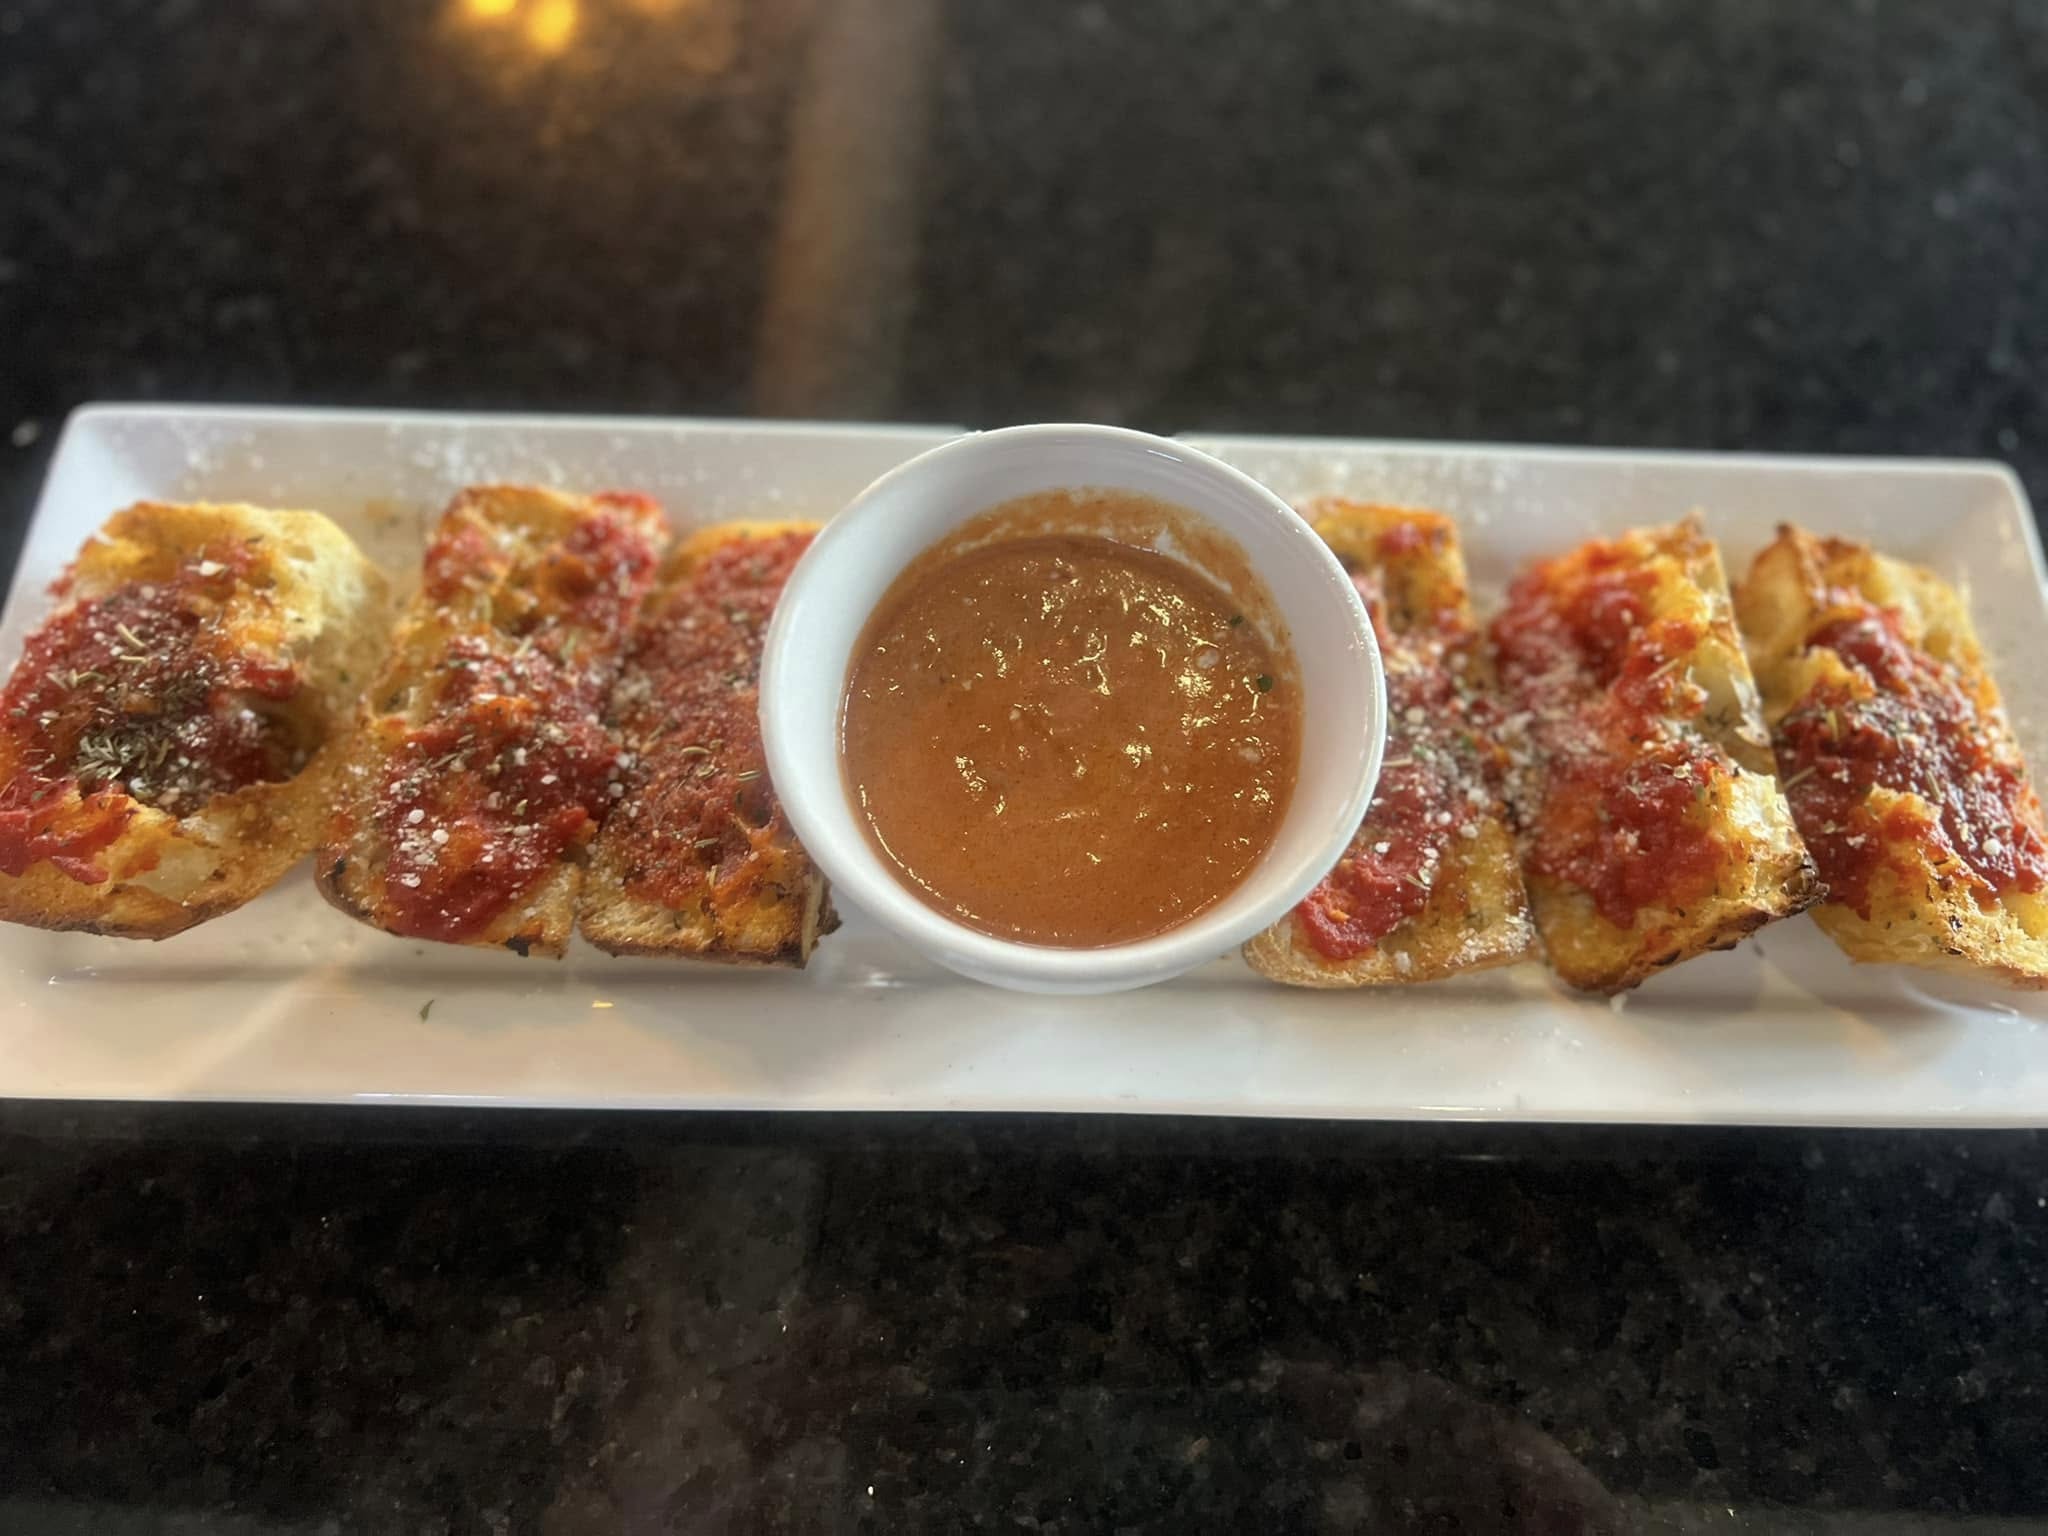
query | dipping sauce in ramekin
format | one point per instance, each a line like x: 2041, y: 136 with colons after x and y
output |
x: 1057, y: 734
x: 1225, y: 533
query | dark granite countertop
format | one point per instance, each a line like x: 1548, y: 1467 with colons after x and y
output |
x: 1732, y: 224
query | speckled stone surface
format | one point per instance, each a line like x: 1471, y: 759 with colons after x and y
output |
x: 1731, y: 223
x: 279, y: 1319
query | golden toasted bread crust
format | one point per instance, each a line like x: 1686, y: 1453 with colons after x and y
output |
x: 697, y: 861
x: 519, y: 628
x: 1873, y: 680
x: 290, y: 592
x: 1652, y: 830
x: 1441, y: 747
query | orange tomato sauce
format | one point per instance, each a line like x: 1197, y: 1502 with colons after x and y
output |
x: 1066, y: 739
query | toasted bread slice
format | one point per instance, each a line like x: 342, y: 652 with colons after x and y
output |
x: 697, y: 859
x: 171, y: 735
x: 1652, y: 829
x: 1430, y: 886
x: 1898, y: 760
x: 482, y: 767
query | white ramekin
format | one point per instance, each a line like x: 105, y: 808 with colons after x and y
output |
x: 846, y: 572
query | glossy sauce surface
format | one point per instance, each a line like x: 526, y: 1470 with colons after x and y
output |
x: 139, y: 696
x: 1442, y: 770
x: 1608, y: 710
x: 1065, y: 739
x: 700, y: 800
x: 1909, y: 725
x: 514, y: 767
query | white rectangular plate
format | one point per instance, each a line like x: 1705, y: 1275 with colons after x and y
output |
x: 287, y: 1000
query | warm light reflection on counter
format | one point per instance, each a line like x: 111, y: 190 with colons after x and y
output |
x: 550, y: 24
x: 550, y: 27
